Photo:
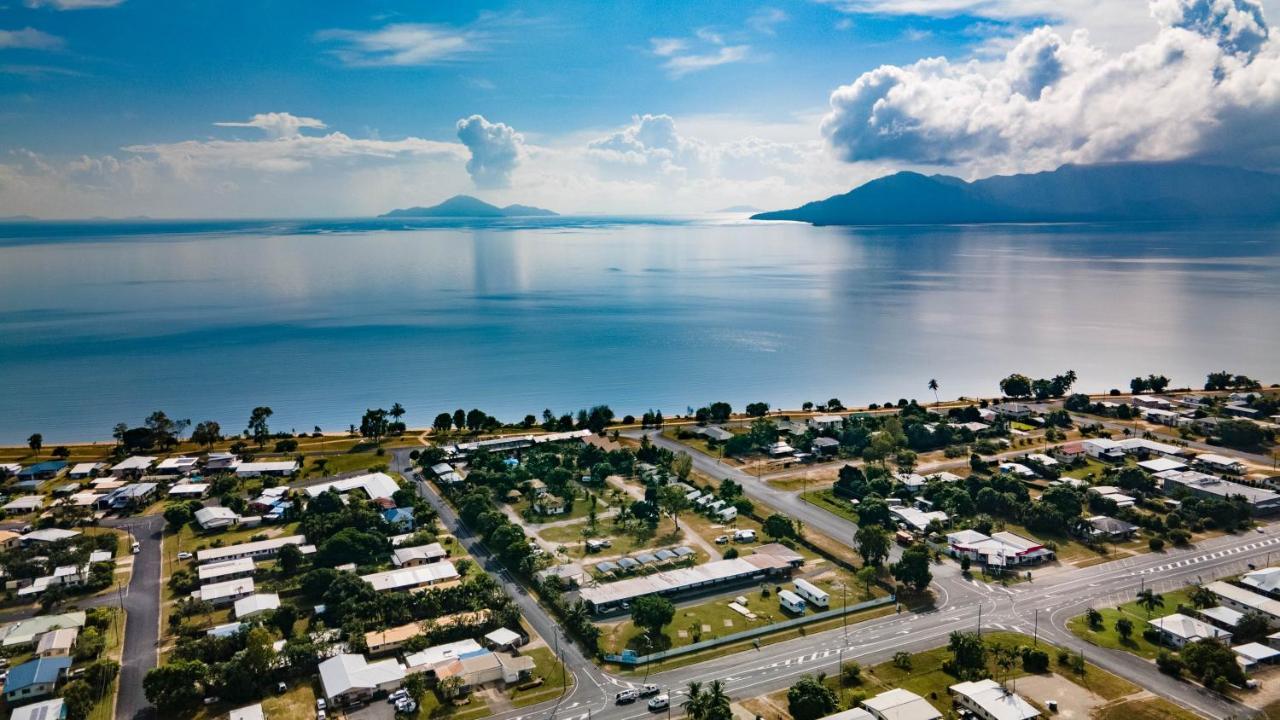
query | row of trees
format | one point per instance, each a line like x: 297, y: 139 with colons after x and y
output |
x: 1018, y: 385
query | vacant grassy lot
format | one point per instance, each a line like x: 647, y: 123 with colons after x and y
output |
x: 829, y: 501
x: 555, y: 679
x: 1144, y: 709
x: 625, y: 541
x: 1106, y: 635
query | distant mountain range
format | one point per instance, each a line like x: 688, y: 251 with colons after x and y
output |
x: 1119, y: 192
x: 465, y: 206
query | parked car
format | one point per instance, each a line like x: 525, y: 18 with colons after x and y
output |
x: 320, y: 715
x: 407, y: 705
x: 722, y: 539
x: 281, y: 688
x: 184, y: 555
x: 662, y: 702
x: 626, y: 696
x: 397, y: 696
x: 321, y: 704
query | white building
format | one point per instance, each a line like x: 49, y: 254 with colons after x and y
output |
x: 899, y: 704
x: 225, y: 570
x: 255, y: 550
x: 79, y: 471
x: 214, y: 518
x: 176, y: 466
x: 1238, y: 598
x: 1266, y: 580
x: 1178, y: 630
x: 419, y: 555
x: 277, y: 468
x: 988, y: 700
x: 375, y: 485
x: 413, y: 578
x: 346, y: 678
x: 133, y: 466
x: 247, y: 607
x: 224, y: 593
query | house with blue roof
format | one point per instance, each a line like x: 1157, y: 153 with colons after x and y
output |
x: 35, y: 679
x: 401, y: 517
x: 46, y: 470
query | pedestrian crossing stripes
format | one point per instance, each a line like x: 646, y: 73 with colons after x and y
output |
x: 1210, y: 556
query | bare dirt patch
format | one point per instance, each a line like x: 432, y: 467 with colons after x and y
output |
x: 1074, y: 702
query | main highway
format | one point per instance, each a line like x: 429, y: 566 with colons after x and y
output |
x: 1039, y: 608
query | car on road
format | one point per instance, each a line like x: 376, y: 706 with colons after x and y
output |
x: 137, y: 547
x: 626, y: 696
x: 662, y: 702
x: 648, y: 689
x: 184, y: 555
x: 1261, y: 531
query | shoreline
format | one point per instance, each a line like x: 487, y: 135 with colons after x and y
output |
x: 418, y: 433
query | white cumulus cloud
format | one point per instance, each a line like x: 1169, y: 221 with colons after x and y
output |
x: 1207, y: 85
x: 496, y: 149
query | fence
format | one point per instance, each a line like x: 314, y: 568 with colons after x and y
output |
x: 628, y: 657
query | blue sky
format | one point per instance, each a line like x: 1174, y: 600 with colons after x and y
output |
x: 112, y: 109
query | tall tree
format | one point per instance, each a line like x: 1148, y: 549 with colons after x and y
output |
x: 652, y: 612
x: 396, y: 412
x: 442, y: 423
x: 206, y: 433
x: 258, y: 429
x: 460, y: 419
x: 1150, y: 600
x: 672, y: 500
x: 35, y: 442
x: 810, y: 699
x: 873, y: 544
x: 933, y: 385
x: 912, y: 569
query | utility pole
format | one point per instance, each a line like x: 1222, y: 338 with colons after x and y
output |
x: 979, y: 619
x: 1036, y: 633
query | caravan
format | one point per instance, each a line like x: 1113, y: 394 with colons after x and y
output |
x: 812, y: 593
x: 791, y: 602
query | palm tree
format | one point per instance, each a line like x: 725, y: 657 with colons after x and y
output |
x: 1202, y: 597
x: 396, y: 412
x: 1150, y: 600
x: 695, y: 707
x: 933, y: 385
x: 717, y: 702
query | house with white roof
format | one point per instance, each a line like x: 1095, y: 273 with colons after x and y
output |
x: 219, y: 461
x: 224, y: 593
x: 826, y: 422
x: 216, y: 517
x: 899, y: 704
x: 989, y: 700
x: 1265, y: 581
x: 1103, y: 449
x: 225, y: 570
x: 419, y: 555
x: 24, y: 504
x: 182, y: 466
x: 347, y: 678
x: 1017, y: 469
x: 413, y: 578
x: 189, y: 491
x: 1177, y: 630
x: 1043, y: 459
x: 374, y: 485
x: 915, y: 519
x: 275, y: 468
x: 1161, y: 464
x: 999, y: 550
x: 133, y: 467
x: 79, y: 471
x: 1220, y: 463
x: 1242, y: 600
x: 256, y: 549
x: 247, y: 607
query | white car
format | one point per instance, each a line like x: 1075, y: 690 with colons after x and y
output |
x: 722, y: 539
x: 407, y: 705
x: 184, y: 555
x: 648, y: 689
x: 662, y: 702
x: 321, y: 704
x: 397, y: 696
x: 626, y: 696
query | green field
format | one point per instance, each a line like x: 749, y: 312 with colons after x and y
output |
x: 1107, y: 637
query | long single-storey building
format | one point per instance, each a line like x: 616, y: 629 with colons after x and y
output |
x: 609, y: 597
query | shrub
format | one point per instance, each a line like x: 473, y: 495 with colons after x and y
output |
x: 1156, y: 544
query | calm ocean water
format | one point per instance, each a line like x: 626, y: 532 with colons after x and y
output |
x: 102, y: 323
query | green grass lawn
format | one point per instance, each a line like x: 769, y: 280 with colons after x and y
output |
x: 927, y: 678
x: 829, y: 501
x: 555, y: 679
x: 624, y: 541
x: 1145, y: 709
x: 114, y: 634
x: 343, y: 462
x: 1107, y: 637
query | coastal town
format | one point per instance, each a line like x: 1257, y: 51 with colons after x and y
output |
x: 1038, y: 553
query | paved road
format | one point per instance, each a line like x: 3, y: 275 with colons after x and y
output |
x: 142, y: 613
